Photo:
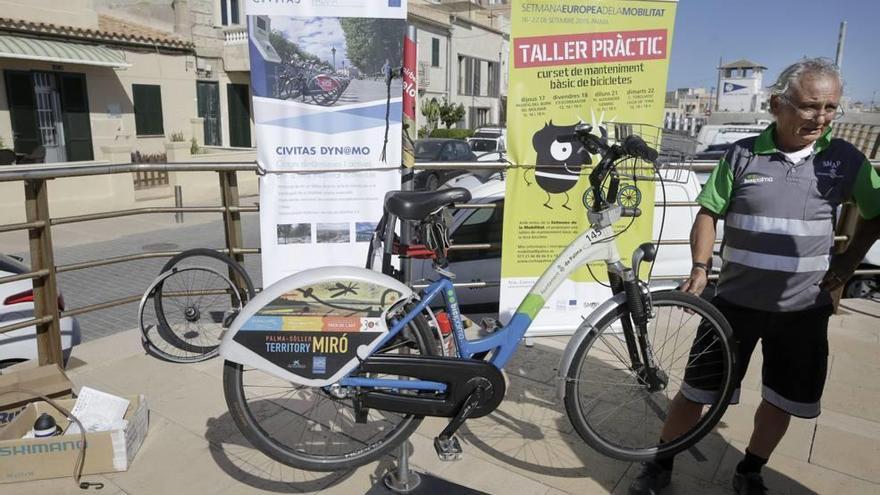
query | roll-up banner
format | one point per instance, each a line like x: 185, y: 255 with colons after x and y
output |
x: 601, y: 62
x: 327, y: 96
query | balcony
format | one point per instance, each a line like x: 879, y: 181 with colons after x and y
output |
x: 235, y: 35
x: 235, y: 49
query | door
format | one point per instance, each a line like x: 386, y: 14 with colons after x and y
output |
x: 22, y: 111
x: 208, y: 95
x: 238, y: 100
x: 49, y: 116
x: 75, y: 114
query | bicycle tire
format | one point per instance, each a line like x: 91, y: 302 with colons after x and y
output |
x: 166, y: 330
x: 682, y: 306
x: 327, y: 98
x: 365, y: 447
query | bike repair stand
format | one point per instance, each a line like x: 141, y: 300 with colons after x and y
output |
x: 403, y: 480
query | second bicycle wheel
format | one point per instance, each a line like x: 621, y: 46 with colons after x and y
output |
x: 609, y: 402
x: 193, y: 306
x: 316, y: 429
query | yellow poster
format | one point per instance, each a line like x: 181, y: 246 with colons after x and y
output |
x: 599, y: 62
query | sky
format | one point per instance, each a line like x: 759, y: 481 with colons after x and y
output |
x: 316, y: 35
x: 776, y: 33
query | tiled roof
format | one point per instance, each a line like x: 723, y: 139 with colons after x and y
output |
x: 110, y: 29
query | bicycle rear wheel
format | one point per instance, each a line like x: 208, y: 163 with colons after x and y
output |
x: 610, y: 404
x: 315, y: 428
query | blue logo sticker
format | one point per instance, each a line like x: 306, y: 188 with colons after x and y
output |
x: 394, y: 3
x: 319, y: 365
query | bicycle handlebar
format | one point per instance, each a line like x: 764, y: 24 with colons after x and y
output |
x: 635, y: 146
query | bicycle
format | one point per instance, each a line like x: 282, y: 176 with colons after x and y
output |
x: 307, y: 79
x: 342, y: 363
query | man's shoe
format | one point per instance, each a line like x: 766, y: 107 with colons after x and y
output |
x: 651, y: 480
x: 749, y: 484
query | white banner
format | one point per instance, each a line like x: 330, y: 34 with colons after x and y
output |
x: 327, y: 96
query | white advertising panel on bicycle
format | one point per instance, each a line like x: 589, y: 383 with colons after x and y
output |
x: 328, y: 98
x: 314, y: 327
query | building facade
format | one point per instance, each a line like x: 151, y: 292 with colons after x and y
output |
x: 687, y: 109
x: 463, y: 56
x: 83, y: 78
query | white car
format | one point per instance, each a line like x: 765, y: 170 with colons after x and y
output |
x: 489, y: 144
x: 16, y: 305
x: 477, y: 226
x: 866, y: 286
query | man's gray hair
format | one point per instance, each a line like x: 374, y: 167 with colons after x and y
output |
x: 792, y: 74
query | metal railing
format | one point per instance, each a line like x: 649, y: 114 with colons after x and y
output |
x: 39, y: 226
x: 43, y: 269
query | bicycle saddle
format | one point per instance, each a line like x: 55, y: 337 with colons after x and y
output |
x: 417, y: 205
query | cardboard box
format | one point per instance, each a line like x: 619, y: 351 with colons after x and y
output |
x: 55, y: 457
x: 48, y: 380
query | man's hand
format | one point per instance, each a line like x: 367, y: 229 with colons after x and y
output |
x: 696, y: 283
x: 835, y: 277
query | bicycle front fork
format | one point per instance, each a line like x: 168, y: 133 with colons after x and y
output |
x: 635, y: 329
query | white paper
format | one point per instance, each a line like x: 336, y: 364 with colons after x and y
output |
x: 98, y: 411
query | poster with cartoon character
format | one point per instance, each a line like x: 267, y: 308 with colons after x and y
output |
x: 599, y: 62
x: 327, y: 96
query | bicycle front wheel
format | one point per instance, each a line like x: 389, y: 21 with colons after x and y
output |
x: 316, y: 429
x: 609, y: 401
x: 197, y: 300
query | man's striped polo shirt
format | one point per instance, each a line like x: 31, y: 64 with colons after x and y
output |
x: 779, y: 218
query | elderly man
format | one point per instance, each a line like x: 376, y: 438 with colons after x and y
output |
x: 778, y: 194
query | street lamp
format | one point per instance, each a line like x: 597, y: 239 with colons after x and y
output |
x: 333, y: 51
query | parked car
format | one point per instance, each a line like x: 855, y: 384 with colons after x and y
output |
x: 471, y: 226
x: 717, y: 134
x: 16, y: 305
x: 489, y: 143
x: 434, y: 150
x: 713, y: 152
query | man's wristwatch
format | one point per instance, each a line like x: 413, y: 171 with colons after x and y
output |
x: 702, y: 266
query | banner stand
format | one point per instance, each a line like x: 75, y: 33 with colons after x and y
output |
x: 402, y: 479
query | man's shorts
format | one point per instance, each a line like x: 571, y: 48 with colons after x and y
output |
x: 795, y: 348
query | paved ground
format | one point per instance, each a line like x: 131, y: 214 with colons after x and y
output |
x: 526, y: 447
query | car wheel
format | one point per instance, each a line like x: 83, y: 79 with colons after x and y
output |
x: 863, y: 287
x: 432, y: 182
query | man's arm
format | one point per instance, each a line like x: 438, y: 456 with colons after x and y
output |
x: 866, y: 193
x: 702, y: 244
x: 844, y: 264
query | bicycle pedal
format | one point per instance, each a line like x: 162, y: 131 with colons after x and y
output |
x: 448, y: 450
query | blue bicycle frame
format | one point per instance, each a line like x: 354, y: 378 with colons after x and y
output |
x: 504, y: 341
x: 596, y: 244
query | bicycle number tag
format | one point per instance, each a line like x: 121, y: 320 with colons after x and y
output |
x: 312, y: 333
